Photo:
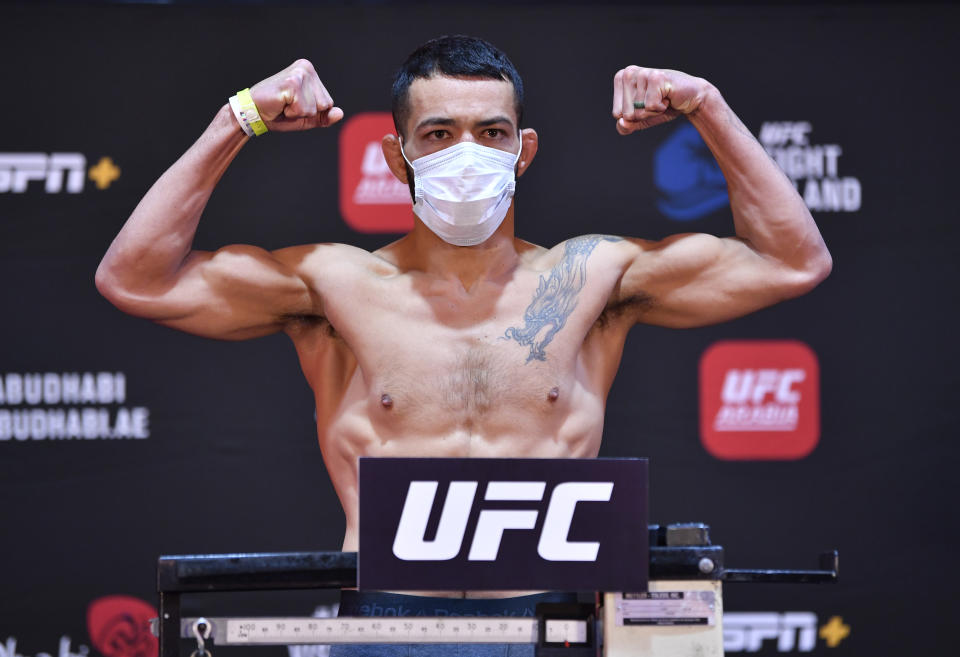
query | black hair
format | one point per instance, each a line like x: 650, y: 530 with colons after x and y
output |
x: 456, y: 55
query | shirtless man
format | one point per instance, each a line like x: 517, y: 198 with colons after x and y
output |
x: 460, y: 339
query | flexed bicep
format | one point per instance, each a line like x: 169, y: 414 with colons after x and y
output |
x: 695, y: 279
x: 233, y: 293
x: 151, y: 269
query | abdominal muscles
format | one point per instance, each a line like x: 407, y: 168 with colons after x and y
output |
x: 481, y: 402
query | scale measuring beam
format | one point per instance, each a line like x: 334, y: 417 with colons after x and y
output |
x: 423, y: 629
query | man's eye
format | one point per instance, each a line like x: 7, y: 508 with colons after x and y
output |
x: 493, y: 133
x: 438, y: 134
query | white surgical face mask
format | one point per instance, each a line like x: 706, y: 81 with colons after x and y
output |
x: 463, y: 192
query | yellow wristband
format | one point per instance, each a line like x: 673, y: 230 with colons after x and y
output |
x: 248, y: 114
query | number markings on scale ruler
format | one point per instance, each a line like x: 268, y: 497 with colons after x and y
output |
x: 380, y: 630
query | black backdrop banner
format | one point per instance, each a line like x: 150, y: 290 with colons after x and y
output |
x: 824, y: 422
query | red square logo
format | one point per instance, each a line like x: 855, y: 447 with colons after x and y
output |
x: 759, y: 400
x: 372, y: 200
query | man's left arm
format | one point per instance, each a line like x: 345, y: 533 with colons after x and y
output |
x: 699, y: 279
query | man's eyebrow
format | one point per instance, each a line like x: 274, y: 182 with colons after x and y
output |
x: 434, y: 120
x: 495, y: 120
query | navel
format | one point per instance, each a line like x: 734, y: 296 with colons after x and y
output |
x: 386, y: 401
x: 554, y: 394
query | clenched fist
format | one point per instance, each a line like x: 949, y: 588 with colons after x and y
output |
x: 295, y: 99
x: 645, y: 97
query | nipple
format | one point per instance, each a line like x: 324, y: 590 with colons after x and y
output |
x: 553, y: 394
x: 386, y: 400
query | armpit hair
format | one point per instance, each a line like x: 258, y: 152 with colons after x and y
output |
x: 634, y: 304
x: 311, y: 322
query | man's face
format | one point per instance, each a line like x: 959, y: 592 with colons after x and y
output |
x: 445, y: 111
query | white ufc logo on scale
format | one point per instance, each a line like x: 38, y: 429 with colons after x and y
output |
x: 409, y: 543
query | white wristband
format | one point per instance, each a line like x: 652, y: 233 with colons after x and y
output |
x: 235, y: 106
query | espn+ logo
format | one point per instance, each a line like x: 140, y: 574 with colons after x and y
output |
x: 759, y: 400
x: 791, y: 631
x: 59, y: 172
x: 749, y: 632
x: 410, y: 543
x: 18, y: 169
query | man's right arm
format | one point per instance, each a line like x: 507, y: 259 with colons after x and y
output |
x: 151, y: 270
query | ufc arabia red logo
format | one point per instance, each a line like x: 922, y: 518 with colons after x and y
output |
x: 372, y: 199
x: 759, y: 400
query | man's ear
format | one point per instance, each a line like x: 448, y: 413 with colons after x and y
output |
x: 391, y: 153
x: 530, y: 142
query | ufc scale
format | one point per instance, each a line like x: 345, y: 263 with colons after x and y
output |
x: 679, y: 614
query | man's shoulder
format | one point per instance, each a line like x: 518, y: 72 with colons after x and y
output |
x: 329, y: 257
x: 577, y: 247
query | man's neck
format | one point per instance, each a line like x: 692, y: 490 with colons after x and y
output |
x: 492, y: 260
